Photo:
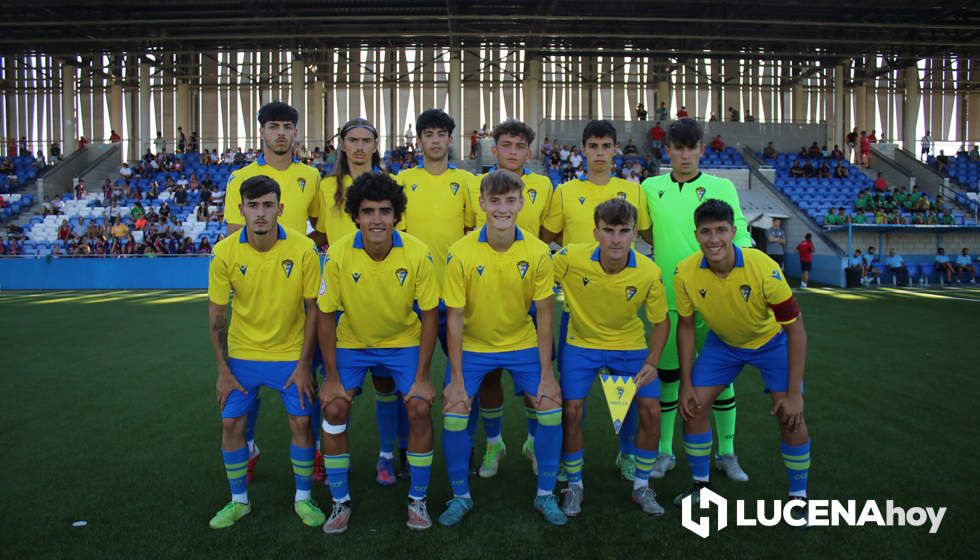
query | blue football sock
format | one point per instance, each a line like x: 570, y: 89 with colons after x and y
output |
x: 252, y: 419
x: 235, y: 462
x: 420, y: 469
x: 302, y: 459
x: 337, y: 468
x: 573, y: 463
x: 627, y: 433
x: 386, y: 413
x: 698, y: 449
x: 547, y: 448
x: 644, y: 462
x: 456, y: 445
x: 797, y: 461
x: 491, y: 421
x: 532, y: 420
x: 403, y: 425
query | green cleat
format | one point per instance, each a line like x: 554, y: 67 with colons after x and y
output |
x: 230, y: 514
x: 627, y: 466
x: 548, y: 506
x: 491, y: 459
x: 309, y: 513
x: 457, y: 510
x: 528, y: 450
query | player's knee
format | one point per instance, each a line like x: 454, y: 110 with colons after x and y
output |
x: 418, y: 410
x: 572, y: 413
x: 336, y: 412
x: 649, y: 411
x: 233, y: 426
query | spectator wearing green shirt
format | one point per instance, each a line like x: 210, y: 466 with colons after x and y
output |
x: 842, y: 218
x: 859, y: 218
x: 932, y: 218
x: 864, y: 202
x: 830, y: 220
x: 900, y: 197
x: 946, y: 219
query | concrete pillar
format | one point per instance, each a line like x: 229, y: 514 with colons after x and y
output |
x: 973, y: 105
x: 861, y: 108
x: 314, y: 122
x: 910, y: 108
x: 590, y: 79
x: 183, y: 108
x: 69, y: 122
x: 663, y: 96
x: 532, y: 99
x: 799, y: 103
x: 297, y: 97
x: 455, y: 99
x: 837, y: 119
x: 145, y: 136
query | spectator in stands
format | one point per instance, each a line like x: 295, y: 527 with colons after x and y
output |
x: 164, y: 211
x: 851, y: 142
x: 830, y: 220
x: 14, y: 248
x: 842, y: 218
x: 796, y: 170
x: 159, y: 143
x: 125, y: 172
x: 564, y: 154
x: 474, y: 142
x: 64, y: 231
x: 932, y: 218
x: 193, y: 145
x: 187, y: 247
x: 713, y: 118
x: 864, y: 144
x: 942, y: 161
x: 55, y: 152
x: 682, y: 113
x: 107, y: 189
x: 873, y: 137
x: 964, y: 263
x: 546, y: 149
x: 154, y: 191
x: 808, y: 170
x: 824, y: 153
x: 137, y: 211
x: 824, y: 171
x: 657, y: 135
x: 662, y: 113
x: 575, y: 158
x: 204, y: 247
x: 896, y: 265
x: 813, y: 151
x: 927, y: 144
x: 718, y: 144
x: 974, y: 154
x: 805, y: 249
x: 80, y: 189
x: 114, y: 137
x: 880, y: 184
x: 920, y: 202
x: 776, y: 241
x: 859, y: 218
x: 641, y: 112
x: 946, y: 219
x: 941, y: 265
x: 47, y: 207
x: 193, y: 184
x: 180, y: 197
x: 630, y: 148
x: 836, y: 154
x: 39, y: 162
x: 856, y: 262
x: 769, y: 152
x: 151, y: 216
x: 733, y: 114
x: 749, y: 117
x: 119, y: 230
x: 181, y: 140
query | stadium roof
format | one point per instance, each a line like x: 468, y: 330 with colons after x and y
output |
x: 828, y: 31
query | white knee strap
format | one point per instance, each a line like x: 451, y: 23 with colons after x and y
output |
x: 334, y: 429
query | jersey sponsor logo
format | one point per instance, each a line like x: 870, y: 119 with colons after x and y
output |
x: 302, y: 184
x: 585, y: 280
x: 630, y: 292
x: 703, y: 292
x: 581, y: 200
x: 401, y: 274
x: 660, y: 194
x: 454, y: 187
x: 323, y: 286
x: 522, y: 267
x: 532, y: 194
x: 775, y: 274
x: 480, y: 269
x: 414, y: 186
x: 746, y: 291
x: 621, y: 195
x: 700, y: 192
x: 243, y: 268
x: 357, y: 277
x: 287, y: 267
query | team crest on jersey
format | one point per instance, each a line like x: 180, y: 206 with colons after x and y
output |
x: 243, y: 268
x: 522, y: 267
x: 414, y: 186
x: 454, y: 187
x: 323, y: 286
x: 775, y: 274
x: 621, y: 195
x: 357, y: 277
x: 479, y: 269
x: 581, y: 200
x: 302, y: 184
x: 746, y: 291
x: 703, y: 292
x: 532, y: 194
x: 585, y: 280
x: 660, y: 193
x: 287, y: 267
x: 630, y: 292
x: 401, y: 274
x: 700, y: 192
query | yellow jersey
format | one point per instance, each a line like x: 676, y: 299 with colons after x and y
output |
x: 573, y: 204
x: 537, y: 200
x: 300, y: 187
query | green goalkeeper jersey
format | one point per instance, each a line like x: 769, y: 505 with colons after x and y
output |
x: 672, y: 206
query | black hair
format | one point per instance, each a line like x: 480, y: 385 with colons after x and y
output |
x: 714, y: 210
x: 808, y: 236
x: 513, y: 127
x: 277, y: 111
x: 599, y: 129
x: 375, y: 187
x: 685, y: 133
x: 342, y: 168
x: 615, y: 212
x: 257, y: 186
x: 435, y: 118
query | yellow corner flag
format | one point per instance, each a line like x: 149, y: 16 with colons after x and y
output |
x: 619, y: 391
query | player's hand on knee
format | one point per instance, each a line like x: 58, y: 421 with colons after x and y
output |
x: 332, y: 390
x: 422, y: 389
x: 303, y: 381
x: 645, y: 376
x: 789, y: 410
x: 690, y: 404
x: 227, y: 382
x: 454, y: 395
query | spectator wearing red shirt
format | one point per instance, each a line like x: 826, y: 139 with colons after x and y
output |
x: 682, y: 113
x: 114, y: 137
x: 852, y: 138
x: 881, y: 185
x: 806, y: 250
x: 657, y: 135
x: 717, y: 144
x: 865, y: 144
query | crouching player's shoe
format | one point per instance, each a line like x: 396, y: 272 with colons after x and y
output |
x: 801, y: 512
x: 309, y: 513
x: 647, y: 499
x: 729, y: 464
x: 418, y: 515
x: 253, y: 459
x: 339, y: 519
x: 548, y: 506
x: 386, y: 472
x: 230, y: 514
x: 627, y: 466
x: 662, y: 464
x: 572, y: 504
x: 491, y: 459
x: 457, y: 510
x: 528, y: 450
x: 694, y: 492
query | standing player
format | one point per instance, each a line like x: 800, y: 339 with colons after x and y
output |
x: 493, y: 275
x: 753, y: 320
x: 358, y: 155
x: 571, y: 219
x: 605, y: 285
x: 672, y: 199
x: 512, y: 148
x: 300, y: 195
x: 273, y: 272
x: 375, y: 276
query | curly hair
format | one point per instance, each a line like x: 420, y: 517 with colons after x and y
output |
x: 375, y: 187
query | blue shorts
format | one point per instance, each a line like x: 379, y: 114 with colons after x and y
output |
x: 401, y: 364
x: 718, y: 363
x: 582, y: 365
x: 524, y: 366
x: 252, y: 375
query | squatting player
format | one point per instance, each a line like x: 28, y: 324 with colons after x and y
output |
x: 358, y: 155
x: 605, y: 284
x: 375, y: 277
x: 273, y: 271
x: 672, y: 199
x: 493, y: 275
x: 300, y: 194
x: 753, y: 320
x: 570, y: 218
x: 512, y: 148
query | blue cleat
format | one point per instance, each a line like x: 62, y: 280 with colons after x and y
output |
x: 457, y: 510
x: 548, y: 506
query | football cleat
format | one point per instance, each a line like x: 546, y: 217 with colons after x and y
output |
x: 386, y: 472
x: 457, y: 510
x: 548, y: 506
x: 339, y: 519
x: 491, y: 459
x: 661, y: 465
x: 694, y: 491
x: 230, y: 514
x: 572, y: 504
x: 627, y: 466
x: 646, y: 497
x: 528, y: 450
x: 309, y: 513
x: 418, y: 515
x: 253, y: 459
x: 729, y: 464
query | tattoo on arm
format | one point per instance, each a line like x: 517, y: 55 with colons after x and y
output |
x: 219, y: 328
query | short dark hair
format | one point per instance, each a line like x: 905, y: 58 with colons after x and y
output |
x: 714, y: 210
x: 685, y: 133
x: 808, y: 236
x: 257, y: 186
x: 375, y: 187
x: 499, y: 182
x: 513, y: 127
x: 599, y: 129
x: 435, y: 118
x: 277, y: 111
x: 615, y: 212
